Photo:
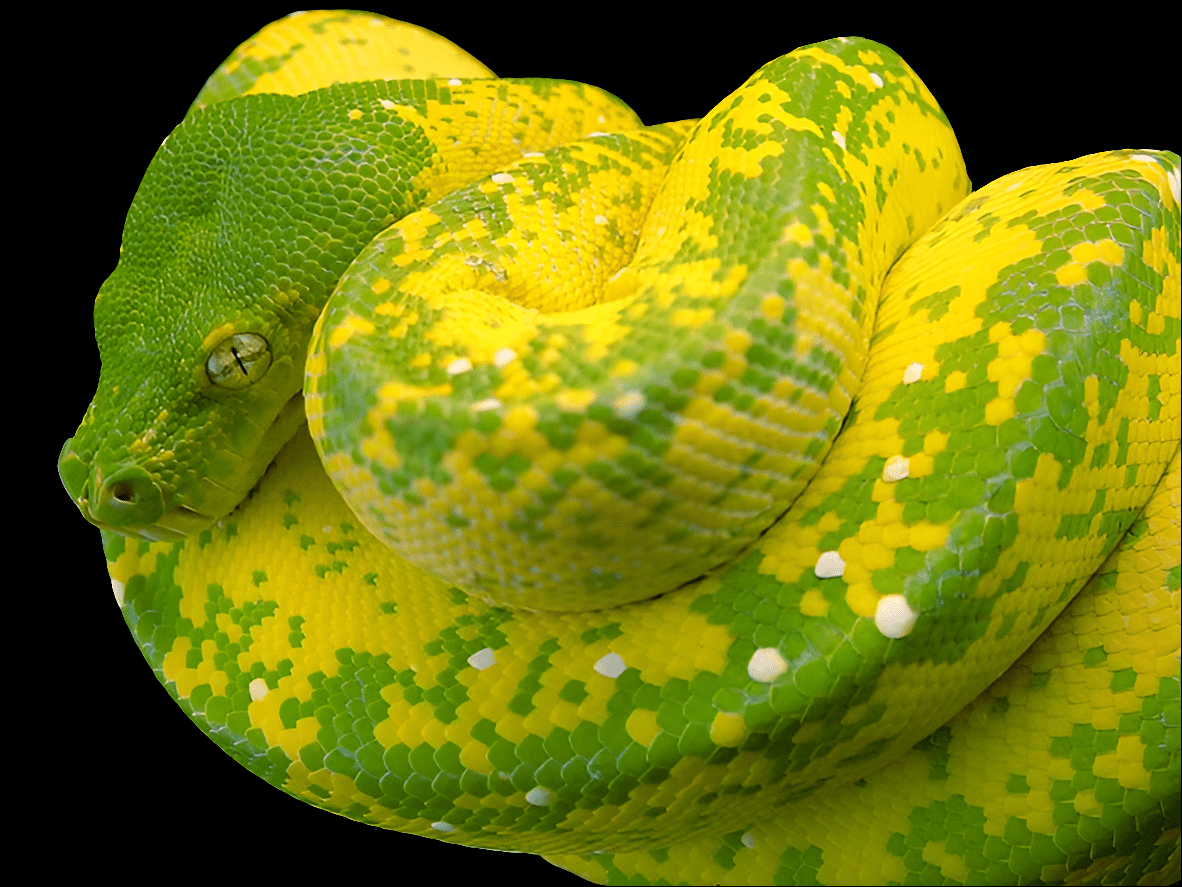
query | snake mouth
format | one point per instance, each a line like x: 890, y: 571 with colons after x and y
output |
x: 172, y: 526
x: 176, y: 524
x: 133, y: 500
x: 129, y: 501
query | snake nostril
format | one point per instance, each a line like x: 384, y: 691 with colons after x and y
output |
x: 129, y: 497
x: 124, y: 491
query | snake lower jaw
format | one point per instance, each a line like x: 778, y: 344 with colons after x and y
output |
x: 171, y: 527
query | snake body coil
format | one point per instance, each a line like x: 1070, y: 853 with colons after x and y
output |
x: 694, y: 473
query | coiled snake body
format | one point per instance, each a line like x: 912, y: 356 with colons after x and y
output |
x: 608, y: 369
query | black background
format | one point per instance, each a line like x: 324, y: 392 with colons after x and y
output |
x: 114, y: 757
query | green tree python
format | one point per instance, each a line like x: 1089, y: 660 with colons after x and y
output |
x: 765, y: 715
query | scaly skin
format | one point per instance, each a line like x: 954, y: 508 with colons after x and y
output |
x: 318, y: 659
x: 167, y: 458
x: 631, y: 426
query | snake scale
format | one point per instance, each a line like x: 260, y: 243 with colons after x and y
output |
x: 695, y: 847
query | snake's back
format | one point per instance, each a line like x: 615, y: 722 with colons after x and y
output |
x: 583, y: 446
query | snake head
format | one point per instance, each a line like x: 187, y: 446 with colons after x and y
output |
x: 193, y: 403
x: 157, y: 463
x: 232, y: 245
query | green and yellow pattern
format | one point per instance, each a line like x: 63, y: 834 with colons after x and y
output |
x: 685, y: 487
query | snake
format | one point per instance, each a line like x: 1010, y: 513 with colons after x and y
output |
x: 742, y: 500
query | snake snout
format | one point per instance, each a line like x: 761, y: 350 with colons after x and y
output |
x: 126, y: 497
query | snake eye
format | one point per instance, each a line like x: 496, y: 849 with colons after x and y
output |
x: 239, y: 360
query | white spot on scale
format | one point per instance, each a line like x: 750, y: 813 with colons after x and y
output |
x: 502, y: 178
x: 600, y: 219
x: 504, y: 357
x: 894, y: 616
x: 459, y: 365
x: 839, y: 138
x: 489, y: 403
x: 533, y: 154
x: 258, y: 689
x: 592, y: 135
x: 387, y: 104
x: 896, y: 468
x: 455, y: 81
x: 877, y: 80
x: 748, y: 839
x: 912, y: 373
x: 829, y: 565
x: 443, y: 827
x: 482, y: 659
x: 766, y: 664
x: 628, y: 405
x: 1171, y: 174
x: 610, y: 666
x: 539, y: 797
x: 118, y: 588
